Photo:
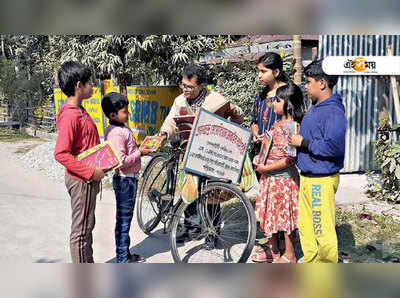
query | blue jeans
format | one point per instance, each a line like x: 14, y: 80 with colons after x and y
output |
x: 125, y: 193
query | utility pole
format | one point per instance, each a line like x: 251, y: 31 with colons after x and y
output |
x: 395, y: 90
x: 2, y: 46
x: 298, y: 66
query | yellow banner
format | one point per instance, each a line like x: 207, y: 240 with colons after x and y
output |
x: 59, y: 99
x: 148, y: 107
x: 108, y: 88
x: 91, y: 105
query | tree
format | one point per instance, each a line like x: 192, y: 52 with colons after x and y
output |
x: 21, y: 93
x: 28, y: 52
x: 135, y: 59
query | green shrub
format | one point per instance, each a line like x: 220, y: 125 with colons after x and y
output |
x: 387, y: 156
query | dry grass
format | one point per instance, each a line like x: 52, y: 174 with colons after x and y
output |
x: 375, y: 240
x: 372, y: 239
x: 12, y: 135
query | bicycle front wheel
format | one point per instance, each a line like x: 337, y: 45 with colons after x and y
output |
x: 222, y: 230
x: 154, y: 184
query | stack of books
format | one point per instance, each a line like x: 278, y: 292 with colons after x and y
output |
x: 184, y: 123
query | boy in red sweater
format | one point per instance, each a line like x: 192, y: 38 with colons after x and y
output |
x: 76, y: 134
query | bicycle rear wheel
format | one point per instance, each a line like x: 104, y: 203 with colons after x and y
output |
x: 154, y: 184
x: 226, y: 231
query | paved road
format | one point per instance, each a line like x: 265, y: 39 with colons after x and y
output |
x: 35, y: 217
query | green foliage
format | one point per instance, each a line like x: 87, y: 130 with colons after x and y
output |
x: 133, y: 59
x: 33, y: 61
x: 239, y: 83
x: 28, y: 52
x: 128, y: 59
x: 387, y: 156
x: 20, y: 89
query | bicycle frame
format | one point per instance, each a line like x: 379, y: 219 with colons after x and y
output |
x: 172, y: 166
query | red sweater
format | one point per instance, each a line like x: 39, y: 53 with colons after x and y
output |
x: 76, y: 133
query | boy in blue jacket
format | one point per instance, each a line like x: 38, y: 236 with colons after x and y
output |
x: 321, y: 147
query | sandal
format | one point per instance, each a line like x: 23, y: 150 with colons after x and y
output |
x: 259, y: 248
x: 286, y: 260
x: 275, y: 256
x: 261, y: 255
x: 136, y: 259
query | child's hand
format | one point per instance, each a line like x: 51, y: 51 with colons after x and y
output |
x: 256, y: 139
x: 237, y: 110
x: 262, y: 169
x: 162, y: 137
x: 295, y: 140
x: 97, y: 175
x: 255, y: 159
x: 145, y: 151
x: 107, y: 170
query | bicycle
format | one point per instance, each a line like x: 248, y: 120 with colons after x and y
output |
x: 227, y: 226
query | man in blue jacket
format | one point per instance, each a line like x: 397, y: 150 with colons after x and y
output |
x: 321, y: 147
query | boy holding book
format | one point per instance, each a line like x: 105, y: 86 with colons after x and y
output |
x: 125, y: 179
x: 76, y: 134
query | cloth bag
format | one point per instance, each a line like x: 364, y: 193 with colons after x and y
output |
x: 248, y: 175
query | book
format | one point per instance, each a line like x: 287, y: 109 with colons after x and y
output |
x: 184, y: 124
x: 102, y: 156
x: 221, y: 111
x: 266, y: 142
x: 184, y: 119
x: 290, y: 128
x: 151, y: 142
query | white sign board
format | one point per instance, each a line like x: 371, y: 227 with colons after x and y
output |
x: 217, y: 147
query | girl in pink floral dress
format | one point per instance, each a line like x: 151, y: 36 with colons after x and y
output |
x: 277, y: 198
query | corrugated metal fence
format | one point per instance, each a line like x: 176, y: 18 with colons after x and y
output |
x: 362, y: 95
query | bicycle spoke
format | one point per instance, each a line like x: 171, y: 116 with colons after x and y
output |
x: 242, y: 240
x: 230, y: 244
x: 238, y: 210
